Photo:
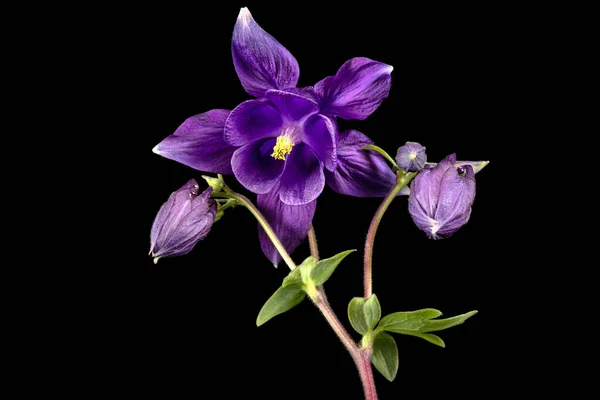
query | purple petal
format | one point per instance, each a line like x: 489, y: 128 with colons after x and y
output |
x: 199, y: 143
x: 192, y: 228
x: 457, y: 194
x: 183, y: 220
x: 259, y: 60
x: 360, y: 173
x: 419, y: 214
x: 357, y: 89
x: 320, y: 133
x: 171, y: 211
x: 290, y: 223
x: 303, y: 179
x: 426, y: 186
x: 293, y: 107
x: 476, y: 165
x: 254, y: 167
x: 306, y: 92
x: 252, y: 120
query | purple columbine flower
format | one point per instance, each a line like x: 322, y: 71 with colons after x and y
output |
x: 182, y: 221
x: 285, y: 145
x: 441, y: 197
x: 411, y: 157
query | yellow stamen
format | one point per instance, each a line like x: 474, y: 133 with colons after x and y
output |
x: 282, y: 148
x: 412, y: 155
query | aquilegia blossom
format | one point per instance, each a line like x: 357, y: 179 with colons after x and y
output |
x: 285, y: 145
x: 441, y: 197
x: 182, y: 221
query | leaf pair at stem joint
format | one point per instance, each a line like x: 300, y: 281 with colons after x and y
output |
x: 365, y: 314
x: 301, y: 281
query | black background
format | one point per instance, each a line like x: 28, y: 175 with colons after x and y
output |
x: 185, y: 328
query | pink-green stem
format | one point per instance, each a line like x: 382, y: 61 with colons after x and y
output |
x: 401, y: 181
x: 362, y: 358
x: 366, y: 374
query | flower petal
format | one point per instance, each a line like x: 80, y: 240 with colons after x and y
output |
x: 290, y: 223
x: 360, y: 173
x: 476, y: 165
x: 199, y: 143
x: 192, y: 228
x: 320, y: 133
x: 427, y: 184
x: 457, y: 194
x: 303, y: 179
x: 307, y: 92
x: 254, y: 167
x: 178, y: 204
x: 293, y: 107
x: 357, y: 89
x: 183, y: 220
x: 260, y: 61
x: 252, y: 120
x: 419, y: 215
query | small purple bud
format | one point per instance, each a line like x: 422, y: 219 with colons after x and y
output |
x: 411, y: 157
x: 441, y: 198
x: 181, y: 222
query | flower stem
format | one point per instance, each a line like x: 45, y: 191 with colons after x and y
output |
x: 401, y: 180
x: 243, y: 200
x: 312, y: 241
x: 323, y: 306
x: 366, y: 373
x: 362, y: 358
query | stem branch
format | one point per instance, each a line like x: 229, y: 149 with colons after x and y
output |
x: 401, y: 181
x: 312, y: 241
x: 243, y: 200
x: 361, y: 357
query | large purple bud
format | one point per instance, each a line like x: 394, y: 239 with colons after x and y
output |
x: 182, y: 221
x: 441, y: 197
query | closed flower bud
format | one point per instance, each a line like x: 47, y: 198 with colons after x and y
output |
x: 441, y: 197
x: 411, y: 157
x: 181, y: 222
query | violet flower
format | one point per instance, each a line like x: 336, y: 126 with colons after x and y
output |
x: 441, y: 197
x: 182, y: 221
x: 285, y: 145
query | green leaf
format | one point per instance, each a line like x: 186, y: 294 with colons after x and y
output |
x: 285, y: 298
x: 324, y: 268
x: 412, y: 320
x: 301, y: 274
x: 441, y: 324
x: 364, y: 314
x: 430, y: 337
x: 385, y: 355
x: 418, y: 323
